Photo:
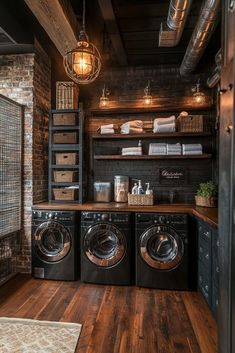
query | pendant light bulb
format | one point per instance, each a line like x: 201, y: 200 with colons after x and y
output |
x: 147, y: 94
x: 198, y: 96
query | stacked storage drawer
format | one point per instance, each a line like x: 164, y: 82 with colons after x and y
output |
x: 215, y: 274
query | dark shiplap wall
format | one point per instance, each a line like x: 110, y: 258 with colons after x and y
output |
x: 169, y: 90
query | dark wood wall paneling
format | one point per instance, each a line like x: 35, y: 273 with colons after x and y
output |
x: 172, y: 94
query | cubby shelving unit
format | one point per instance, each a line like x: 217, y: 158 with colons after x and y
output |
x: 66, y: 148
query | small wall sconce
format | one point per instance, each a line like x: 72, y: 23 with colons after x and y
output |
x: 199, y: 97
x: 104, y: 99
x: 147, y: 94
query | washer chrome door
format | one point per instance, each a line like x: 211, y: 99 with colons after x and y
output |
x: 161, y: 247
x: 52, y: 241
x: 104, y: 244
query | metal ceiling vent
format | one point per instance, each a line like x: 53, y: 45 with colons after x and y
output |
x: 170, y: 34
x: 201, y: 36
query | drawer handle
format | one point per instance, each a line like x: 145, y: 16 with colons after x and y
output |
x: 207, y: 256
x: 200, y: 249
x: 206, y: 287
x: 216, y: 302
x: 217, y: 243
x: 207, y: 234
x: 217, y: 269
x: 200, y: 278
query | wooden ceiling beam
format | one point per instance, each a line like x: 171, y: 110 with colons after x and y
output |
x: 113, y: 30
x: 57, y: 19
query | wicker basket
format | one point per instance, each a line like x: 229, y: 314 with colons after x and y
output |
x: 65, y: 158
x: 65, y: 194
x: 65, y: 176
x: 65, y: 137
x: 66, y: 95
x: 64, y: 119
x: 142, y: 200
x: 206, y: 201
x: 190, y: 123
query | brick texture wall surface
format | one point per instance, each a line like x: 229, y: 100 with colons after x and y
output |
x: 25, y: 78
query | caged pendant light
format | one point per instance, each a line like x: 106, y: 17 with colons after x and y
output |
x: 83, y: 63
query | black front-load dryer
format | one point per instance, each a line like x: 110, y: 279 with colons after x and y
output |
x: 54, y: 245
x: 162, y: 252
x: 106, y: 247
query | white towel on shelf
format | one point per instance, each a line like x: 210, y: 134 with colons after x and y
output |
x: 196, y: 152
x: 134, y: 126
x: 104, y: 131
x: 191, y: 146
x: 174, y: 149
x: 164, y: 128
x: 131, y: 151
x: 164, y: 121
x: 107, y: 129
x: 157, y: 149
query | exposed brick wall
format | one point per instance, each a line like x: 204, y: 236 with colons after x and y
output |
x: 25, y: 78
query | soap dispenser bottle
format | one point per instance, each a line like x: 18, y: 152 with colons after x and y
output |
x: 140, y: 146
x: 139, y: 188
x: 148, y: 191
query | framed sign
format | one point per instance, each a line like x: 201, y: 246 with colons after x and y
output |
x: 172, y: 175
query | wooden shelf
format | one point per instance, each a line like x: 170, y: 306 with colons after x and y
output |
x: 65, y: 147
x: 64, y: 127
x: 56, y: 183
x: 147, y: 157
x: 65, y: 166
x: 151, y: 135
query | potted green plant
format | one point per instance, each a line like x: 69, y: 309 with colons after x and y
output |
x: 206, y: 195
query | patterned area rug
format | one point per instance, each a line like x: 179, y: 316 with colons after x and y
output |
x: 33, y: 336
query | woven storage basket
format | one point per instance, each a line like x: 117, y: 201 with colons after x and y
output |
x: 190, y: 123
x: 65, y: 194
x: 64, y: 119
x: 142, y: 200
x: 65, y: 158
x: 65, y: 176
x: 206, y: 202
x: 65, y: 137
x: 66, y: 95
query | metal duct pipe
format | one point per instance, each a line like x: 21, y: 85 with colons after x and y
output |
x: 201, y: 36
x: 170, y: 35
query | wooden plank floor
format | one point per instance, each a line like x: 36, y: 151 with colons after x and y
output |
x: 116, y: 319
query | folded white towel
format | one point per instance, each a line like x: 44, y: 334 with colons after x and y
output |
x: 196, y: 152
x: 157, y: 149
x: 164, y: 121
x: 106, y: 131
x: 174, y: 149
x: 191, y: 146
x: 133, y: 126
x: 131, y: 150
x: 108, y: 126
x: 164, y: 128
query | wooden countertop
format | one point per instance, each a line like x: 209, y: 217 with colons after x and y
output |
x: 206, y: 214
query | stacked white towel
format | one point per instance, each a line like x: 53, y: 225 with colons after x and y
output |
x: 157, y: 149
x: 164, y: 124
x: 192, y: 148
x: 173, y: 149
x: 107, y: 129
x: 134, y: 126
x: 135, y: 151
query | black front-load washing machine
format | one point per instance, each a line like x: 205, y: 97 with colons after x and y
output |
x: 162, y: 251
x: 106, y: 247
x: 54, y: 245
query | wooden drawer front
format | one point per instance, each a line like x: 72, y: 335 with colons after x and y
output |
x: 204, y: 232
x: 65, y: 158
x: 65, y: 176
x: 64, y: 119
x: 65, y: 137
x: 204, y: 282
x: 65, y: 194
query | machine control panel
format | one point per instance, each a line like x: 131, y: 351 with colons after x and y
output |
x: 53, y: 215
x: 105, y: 217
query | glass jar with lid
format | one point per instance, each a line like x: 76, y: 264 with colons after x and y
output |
x: 121, y: 188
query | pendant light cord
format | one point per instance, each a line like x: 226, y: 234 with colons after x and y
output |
x: 83, y: 15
